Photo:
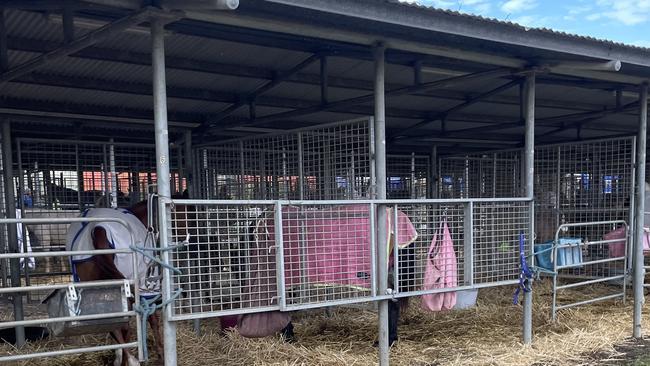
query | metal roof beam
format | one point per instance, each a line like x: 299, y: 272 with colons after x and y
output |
x: 253, y: 95
x: 221, y: 97
x: 85, y: 41
x: 468, y: 103
x: 587, y: 118
x: 439, y: 84
x: 4, y: 43
x: 215, y: 68
x: 283, y: 25
x: 190, y: 94
x: 20, y: 107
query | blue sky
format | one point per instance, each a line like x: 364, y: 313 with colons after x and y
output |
x: 626, y: 21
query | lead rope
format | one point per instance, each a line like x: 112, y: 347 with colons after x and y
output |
x: 153, y: 277
x: 525, y: 274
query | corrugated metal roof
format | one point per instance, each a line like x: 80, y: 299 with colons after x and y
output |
x: 514, y: 25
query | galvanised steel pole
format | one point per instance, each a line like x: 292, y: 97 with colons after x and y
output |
x: 162, y: 176
x: 12, y: 233
x: 380, y: 171
x: 639, y: 270
x: 529, y: 157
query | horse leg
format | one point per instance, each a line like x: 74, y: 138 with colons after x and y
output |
x: 403, y: 307
x: 122, y: 357
x: 154, y: 322
x: 287, y: 333
x: 393, y: 319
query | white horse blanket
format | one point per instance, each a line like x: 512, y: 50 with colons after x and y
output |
x: 80, y: 237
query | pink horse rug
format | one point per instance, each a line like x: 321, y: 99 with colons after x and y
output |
x: 330, y: 247
x: 441, y: 271
x: 321, y: 248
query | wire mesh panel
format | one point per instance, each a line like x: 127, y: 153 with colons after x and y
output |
x: 230, y: 265
x: 584, y: 256
x: 582, y: 183
x: 488, y: 175
x: 476, y: 242
x: 61, y: 178
x: 337, y: 161
x: 324, y: 162
x: 234, y: 264
x: 84, y: 312
x: 407, y: 176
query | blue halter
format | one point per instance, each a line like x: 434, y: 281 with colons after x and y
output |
x: 526, y: 275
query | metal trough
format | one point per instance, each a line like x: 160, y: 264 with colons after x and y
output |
x: 73, y: 302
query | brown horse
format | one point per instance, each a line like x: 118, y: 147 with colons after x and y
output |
x: 103, y: 267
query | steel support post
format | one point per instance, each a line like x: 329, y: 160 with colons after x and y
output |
x: 380, y: 170
x: 529, y: 157
x: 639, y: 271
x: 4, y: 49
x: 12, y: 234
x: 162, y: 175
x: 188, y: 163
x: 113, y: 174
x: 433, y: 173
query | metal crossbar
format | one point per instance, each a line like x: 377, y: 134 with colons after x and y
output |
x: 254, y: 256
x: 14, y: 289
x: 577, y: 257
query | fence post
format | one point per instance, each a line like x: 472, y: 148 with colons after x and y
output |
x: 640, y: 210
x: 382, y: 230
x: 162, y: 176
x: 433, y: 175
x: 468, y: 250
x: 529, y: 154
x: 113, y: 172
x: 12, y: 234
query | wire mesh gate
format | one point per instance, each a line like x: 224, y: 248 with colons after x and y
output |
x: 488, y: 175
x: 60, y: 178
x: 407, y: 176
x: 74, y: 309
x: 576, y: 185
x: 330, y: 161
x: 255, y: 256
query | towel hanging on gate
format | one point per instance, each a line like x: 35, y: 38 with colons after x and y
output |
x: 441, y: 271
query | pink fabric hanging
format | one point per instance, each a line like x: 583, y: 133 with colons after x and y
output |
x: 440, y: 272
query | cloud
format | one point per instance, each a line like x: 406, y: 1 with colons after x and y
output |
x: 466, y: 6
x: 627, y: 12
x: 517, y: 6
x: 533, y: 21
x: 641, y: 43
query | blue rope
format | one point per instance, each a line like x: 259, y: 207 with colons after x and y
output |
x: 145, y: 252
x: 147, y: 308
x: 526, y: 274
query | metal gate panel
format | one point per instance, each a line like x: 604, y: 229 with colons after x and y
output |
x: 407, y: 176
x: 330, y: 161
x: 60, y: 178
x: 575, y: 184
x: 488, y: 175
x: 585, y: 191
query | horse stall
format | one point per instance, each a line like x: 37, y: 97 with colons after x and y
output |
x: 584, y: 199
x: 382, y: 161
x: 62, y: 178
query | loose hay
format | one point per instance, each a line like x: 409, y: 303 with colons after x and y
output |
x: 489, y: 334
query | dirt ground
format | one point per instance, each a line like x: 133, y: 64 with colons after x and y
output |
x: 632, y: 352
